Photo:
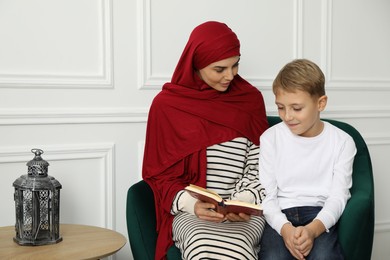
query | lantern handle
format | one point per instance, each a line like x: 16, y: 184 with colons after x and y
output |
x: 37, y: 152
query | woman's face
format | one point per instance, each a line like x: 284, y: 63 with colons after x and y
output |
x: 218, y: 75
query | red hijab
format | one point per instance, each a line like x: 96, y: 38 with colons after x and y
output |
x: 187, y: 116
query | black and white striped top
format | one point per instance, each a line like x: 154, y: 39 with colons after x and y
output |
x: 232, y: 171
x: 232, y: 168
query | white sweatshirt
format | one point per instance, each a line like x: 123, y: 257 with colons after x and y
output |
x: 305, y: 171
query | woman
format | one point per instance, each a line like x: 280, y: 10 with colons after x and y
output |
x: 203, y: 129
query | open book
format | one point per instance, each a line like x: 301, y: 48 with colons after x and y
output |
x: 221, y: 205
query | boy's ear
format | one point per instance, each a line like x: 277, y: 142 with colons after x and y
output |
x: 322, y: 101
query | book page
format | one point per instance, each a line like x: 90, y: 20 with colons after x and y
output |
x: 242, y: 203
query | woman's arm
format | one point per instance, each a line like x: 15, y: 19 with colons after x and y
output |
x: 248, y: 188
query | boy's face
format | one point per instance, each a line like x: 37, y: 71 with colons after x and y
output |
x: 301, y: 112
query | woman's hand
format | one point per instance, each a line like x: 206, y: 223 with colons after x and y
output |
x: 205, y: 211
x: 238, y: 217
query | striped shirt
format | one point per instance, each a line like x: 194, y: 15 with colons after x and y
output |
x: 232, y: 171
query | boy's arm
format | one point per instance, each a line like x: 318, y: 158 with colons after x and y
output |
x: 271, y: 209
x: 342, y: 182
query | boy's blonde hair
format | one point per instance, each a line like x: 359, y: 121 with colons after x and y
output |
x: 300, y: 74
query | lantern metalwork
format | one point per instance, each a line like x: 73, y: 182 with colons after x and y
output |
x: 37, y: 205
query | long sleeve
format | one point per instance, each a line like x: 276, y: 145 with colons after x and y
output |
x: 271, y: 208
x: 248, y: 188
x: 341, y: 183
x: 183, y: 202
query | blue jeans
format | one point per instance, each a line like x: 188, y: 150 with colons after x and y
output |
x: 325, y: 246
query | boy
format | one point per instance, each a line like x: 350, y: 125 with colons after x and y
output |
x: 305, y: 166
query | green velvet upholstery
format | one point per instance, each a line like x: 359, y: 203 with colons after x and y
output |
x: 356, y: 226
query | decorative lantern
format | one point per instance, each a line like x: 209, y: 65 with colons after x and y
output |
x: 37, y: 205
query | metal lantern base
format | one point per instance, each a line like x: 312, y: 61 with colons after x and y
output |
x: 37, y: 243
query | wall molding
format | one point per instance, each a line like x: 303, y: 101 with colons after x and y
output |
x: 102, y: 79
x: 377, y: 139
x: 145, y: 79
x: 326, y: 36
x: 337, y: 83
x: 360, y: 112
x: 101, y: 151
x: 298, y: 31
x: 355, y: 84
x: 53, y: 116
x: 47, y: 116
x: 382, y: 227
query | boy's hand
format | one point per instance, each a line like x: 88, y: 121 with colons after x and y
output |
x: 289, y: 236
x: 304, y: 240
x: 300, y: 240
x: 306, y: 235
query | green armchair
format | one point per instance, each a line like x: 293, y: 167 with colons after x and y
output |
x: 356, y: 226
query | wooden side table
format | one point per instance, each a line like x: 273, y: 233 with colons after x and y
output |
x: 79, y: 242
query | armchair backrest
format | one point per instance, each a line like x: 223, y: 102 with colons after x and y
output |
x: 356, y: 225
x: 141, y: 221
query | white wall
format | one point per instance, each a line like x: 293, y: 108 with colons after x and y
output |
x: 77, y: 78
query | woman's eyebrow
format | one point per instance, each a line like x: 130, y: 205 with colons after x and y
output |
x: 223, y: 67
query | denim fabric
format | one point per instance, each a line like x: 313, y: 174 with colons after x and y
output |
x: 325, y: 246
